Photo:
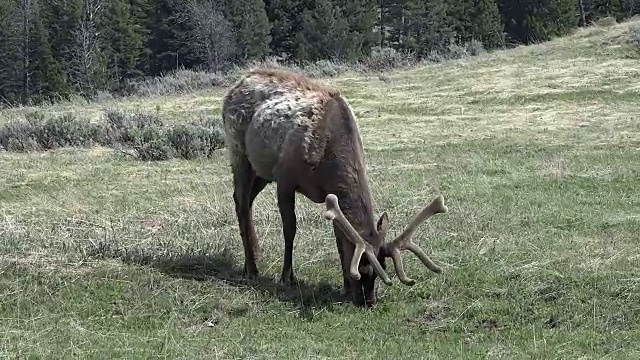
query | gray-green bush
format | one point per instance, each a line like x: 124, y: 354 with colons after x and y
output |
x: 388, y: 58
x: 475, y: 47
x: 635, y: 36
x: 151, y: 139
x: 123, y: 127
x: 196, y: 139
x: 180, y: 81
x: 35, y: 133
x: 145, y: 134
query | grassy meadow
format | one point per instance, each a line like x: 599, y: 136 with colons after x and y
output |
x: 536, y: 150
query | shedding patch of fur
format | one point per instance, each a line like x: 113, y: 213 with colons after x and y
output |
x: 293, y: 80
x: 269, y: 111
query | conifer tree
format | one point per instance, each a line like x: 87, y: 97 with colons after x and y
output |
x: 603, y: 8
x: 45, y: 71
x: 9, y: 48
x: 324, y: 33
x: 122, y: 41
x: 487, y: 25
x: 529, y: 21
x: 361, y: 18
x: 165, y: 28
x: 251, y: 27
x: 285, y: 19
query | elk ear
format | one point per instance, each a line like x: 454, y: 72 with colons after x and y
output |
x: 383, y: 225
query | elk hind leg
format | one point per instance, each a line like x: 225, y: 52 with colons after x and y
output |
x: 246, y: 188
x: 286, y: 205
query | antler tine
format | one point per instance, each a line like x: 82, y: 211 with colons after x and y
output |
x: 361, y: 247
x: 404, y: 241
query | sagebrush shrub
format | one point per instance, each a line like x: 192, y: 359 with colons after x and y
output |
x: 635, y: 36
x: 151, y: 144
x: 388, y: 58
x: 67, y: 131
x: 35, y: 133
x: 606, y: 21
x: 435, y: 56
x: 196, y: 139
x: 121, y: 127
x: 152, y: 140
x: 142, y: 132
x: 455, y: 51
x: 475, y: 47
x: 145, y: 134
x: 20, y: 135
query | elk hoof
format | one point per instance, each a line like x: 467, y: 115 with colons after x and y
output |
x: 288, y: 280
x: 250, y: 271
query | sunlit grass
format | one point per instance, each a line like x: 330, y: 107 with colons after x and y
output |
x: 536, y: 150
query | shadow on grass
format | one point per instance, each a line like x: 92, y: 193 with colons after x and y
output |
x: 194, y: 265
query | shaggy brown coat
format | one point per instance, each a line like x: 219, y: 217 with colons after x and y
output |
x: 283, y: 127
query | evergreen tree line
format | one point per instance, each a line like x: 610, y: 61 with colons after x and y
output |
x: 53, y: 48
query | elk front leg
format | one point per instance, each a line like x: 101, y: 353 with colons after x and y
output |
x: 344, y: 264
x: 286, y: 205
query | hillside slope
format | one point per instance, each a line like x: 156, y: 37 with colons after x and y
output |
x: 536, y: 150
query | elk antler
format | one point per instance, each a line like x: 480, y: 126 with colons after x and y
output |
x: 334, y: 213
x: 404, y: 242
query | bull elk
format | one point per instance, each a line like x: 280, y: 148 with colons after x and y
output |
x: 283, y: 127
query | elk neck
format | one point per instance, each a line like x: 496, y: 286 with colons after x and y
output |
x: 347, y: 173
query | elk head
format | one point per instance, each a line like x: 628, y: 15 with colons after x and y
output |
x: 364, y: 272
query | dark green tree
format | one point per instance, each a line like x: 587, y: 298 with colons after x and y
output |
x: 393, y: 25
x: 528, y: 21
x: 430, y: 26
x: 164, y: 30
x: 46, y: 75
x: 251, y: 27
x: 487, y: 25
x: 122, y: 43
x: 9, y: 48
x: 324, y: 33
x: 361, y: 17
x: 285, y: 19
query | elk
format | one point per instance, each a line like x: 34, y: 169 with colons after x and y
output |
x: 280, y: 126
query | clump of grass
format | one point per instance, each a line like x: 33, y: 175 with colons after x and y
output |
x: 455, y: 51
x: 326, y: 68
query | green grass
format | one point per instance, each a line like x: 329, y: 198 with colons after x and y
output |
x: 536, y: 149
